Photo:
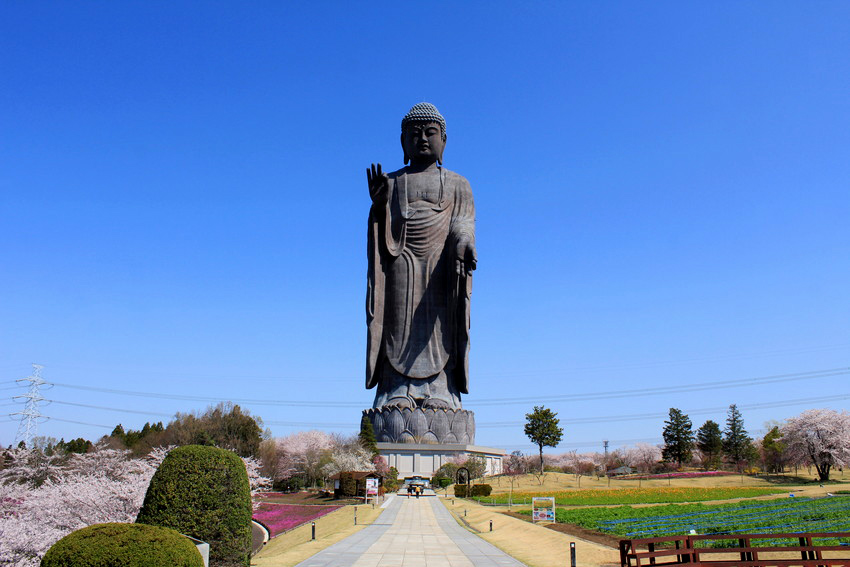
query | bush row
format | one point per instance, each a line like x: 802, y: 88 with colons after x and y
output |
x: 476, y: 490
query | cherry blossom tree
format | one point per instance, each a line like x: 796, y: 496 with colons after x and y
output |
x: 303, y: 454
x: 381, y: 466
x: 91, y: 488
x: 259, y: 483
x: 30, y: 466
x: 820, y: 437
x: 105, y: 485
x: 645, y: 456
x: 516, y: 464
x: 348, y: 456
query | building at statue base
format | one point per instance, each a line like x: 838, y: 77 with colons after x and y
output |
x: 423, y: 459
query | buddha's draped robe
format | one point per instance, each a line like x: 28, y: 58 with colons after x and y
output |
x: 417, y: 307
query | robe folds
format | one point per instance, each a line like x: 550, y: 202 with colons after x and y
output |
x: 417, y: 307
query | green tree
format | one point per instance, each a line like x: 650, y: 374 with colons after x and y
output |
x: 737, y: 445
x: 78, y: 445
x: 140, y: 441
x: 476, y: 465
x: 203, y: 492
x: 391, y: 480
x: 445, y: 475
x: 678, y: 438
x: 541, y: 427
x: 226, y: 425
x: 710, y: 444
x: 118, y: 432
x: 773, y: 451
x: 367, y: 435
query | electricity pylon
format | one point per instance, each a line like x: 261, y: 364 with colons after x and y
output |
x: 30, y: 414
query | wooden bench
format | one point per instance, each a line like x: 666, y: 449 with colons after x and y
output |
x: 741, y: 551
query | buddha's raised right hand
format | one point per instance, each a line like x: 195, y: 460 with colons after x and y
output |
x: 379, y: 184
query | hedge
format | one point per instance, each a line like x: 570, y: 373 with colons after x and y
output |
x: 203, y: 492
x: 123, y: 545
x: 474, y: 491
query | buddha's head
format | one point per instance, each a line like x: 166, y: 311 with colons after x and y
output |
x: 423, y: 135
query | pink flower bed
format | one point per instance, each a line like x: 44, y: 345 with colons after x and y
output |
x: 279, y: 518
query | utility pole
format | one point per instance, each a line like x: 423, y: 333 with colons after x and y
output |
x: 30, y: 414
x: 605, y: 447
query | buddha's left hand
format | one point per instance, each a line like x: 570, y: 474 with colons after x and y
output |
x: 466, y: 258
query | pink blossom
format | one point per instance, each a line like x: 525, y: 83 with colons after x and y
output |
x: 279, y: 518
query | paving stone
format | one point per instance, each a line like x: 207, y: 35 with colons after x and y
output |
x: 412, y: 533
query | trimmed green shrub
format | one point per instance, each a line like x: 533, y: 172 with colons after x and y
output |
x: 460, y: 490
x: 347, y: 485
x: 481, y: 490
x: 391, y: 480
x: 203, y: 492
x: 123, y: 545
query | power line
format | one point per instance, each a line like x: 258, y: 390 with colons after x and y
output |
x: 646, y: 416
x: 603, y: 395
x: 256, y: 401
x: 307, y: 424
x: 119, y: 410
x: 612, y: 394
x: 500, y: 424
x: 597, y: 443
x: 141, y: 412
x: 650, y: 364
x: 82, y: 423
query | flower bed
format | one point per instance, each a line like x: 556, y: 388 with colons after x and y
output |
x: 831, y: 514
x: 279, y: 518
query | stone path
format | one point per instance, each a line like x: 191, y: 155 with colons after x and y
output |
x: 412, y: 532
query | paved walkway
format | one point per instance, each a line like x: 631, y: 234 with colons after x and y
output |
x: 412, y: 532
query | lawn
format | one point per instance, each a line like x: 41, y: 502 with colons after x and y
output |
x: 561, y: 482
x: 279, y: 518
x: 664, y: 494
x: 830, y: 514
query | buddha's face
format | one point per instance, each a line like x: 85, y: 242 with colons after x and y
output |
x: 423, y: 142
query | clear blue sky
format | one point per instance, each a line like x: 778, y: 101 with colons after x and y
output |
x: 661, y: 191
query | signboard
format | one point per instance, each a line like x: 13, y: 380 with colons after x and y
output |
x: 371, y: 487
x: 543, y: 509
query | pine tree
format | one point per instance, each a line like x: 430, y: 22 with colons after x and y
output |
x: 541, y: 427
x: 710, y: 444
x: 737, y: 445
x: 367, y: 435
x: 118, y: 432
x: 678, y: 438
x: 773, y: 450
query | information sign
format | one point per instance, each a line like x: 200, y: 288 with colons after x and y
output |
x: 543, y: 509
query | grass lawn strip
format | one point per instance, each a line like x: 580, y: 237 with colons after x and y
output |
x: 294, y: 546
x: 531, y: 544
x: 671, y: 494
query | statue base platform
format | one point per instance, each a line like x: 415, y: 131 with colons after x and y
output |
x: 422, y: 425
x: 423, y: 459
